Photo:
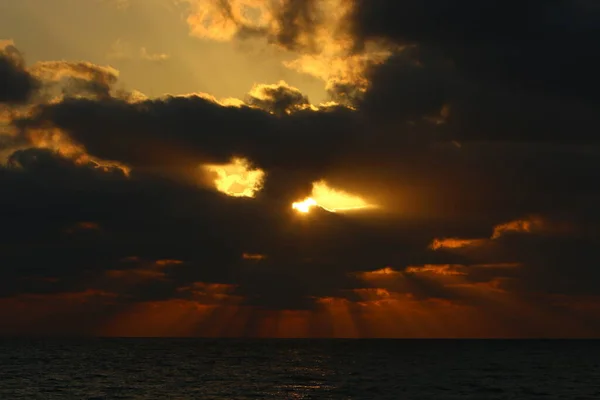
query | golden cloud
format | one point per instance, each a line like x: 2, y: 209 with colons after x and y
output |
x: 57, y: 70
x: 167, y: 262
x: 528, y: 225
x: 330, y: 199
x: 379, y: 274
x: 226, y: 102
x: 55, y: 139
x: 453, y: 243
x: 305, y: 205
x: 318, y: 32
x: 4, y: 43
x: 438, y: 269
x: 237, y: 178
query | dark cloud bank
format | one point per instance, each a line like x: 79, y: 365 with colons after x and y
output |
x: 490, y: 115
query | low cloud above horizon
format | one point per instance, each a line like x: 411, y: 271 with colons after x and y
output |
x: 443, y: 184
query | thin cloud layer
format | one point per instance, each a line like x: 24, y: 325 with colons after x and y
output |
x: 173, y: 215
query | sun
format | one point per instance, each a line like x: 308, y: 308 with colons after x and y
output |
x: 304, y: 206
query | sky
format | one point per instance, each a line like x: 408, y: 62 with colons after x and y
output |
x: 324, y: 168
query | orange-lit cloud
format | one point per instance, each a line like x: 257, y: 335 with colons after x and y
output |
x: 330, y: 199
x: 278, y: 99
x: 54, y: 71
x: 226, y: 102
x: 305, y: 205
x: 168, y: 263
x: 337, y: 67
x: 253, y: 256
x: 453, y: 243
x: 318, y: 33
x: 383, y: 273
x: 373, y: 294
x: 56, y: 140
x: 4, y: 43
x: 533, y: 225
x: 443, y: 269
x: 337, y: 200
x: 528, y: 225
x: 221, y: 21
x: 237, y: 178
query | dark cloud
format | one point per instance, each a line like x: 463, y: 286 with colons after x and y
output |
x: 292, y: 24
x: 538, y: 45
x: 505, y: 70
x: 81, y: 77
x: 16, y: 84
x: 92, y: 221
x: 186, y: 131
x: 296, y: 18
x: 49, y: 199
x: 513, y: 204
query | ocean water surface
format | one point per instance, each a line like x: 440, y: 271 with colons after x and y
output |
x: 298, y: 369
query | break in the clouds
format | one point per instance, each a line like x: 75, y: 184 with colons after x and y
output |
x: 448, y: 188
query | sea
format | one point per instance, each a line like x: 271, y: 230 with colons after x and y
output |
x: 298, y: 369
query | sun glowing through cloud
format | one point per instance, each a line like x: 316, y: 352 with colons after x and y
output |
x: 329, y: 199
x: 237, y: 178
x: 304, y: 206
x: 336, y: 200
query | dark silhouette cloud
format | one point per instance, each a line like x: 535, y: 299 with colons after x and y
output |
x: 16, y: 84
x: 475, y: 140
x: 505, y: 70
x: 543, y: 46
